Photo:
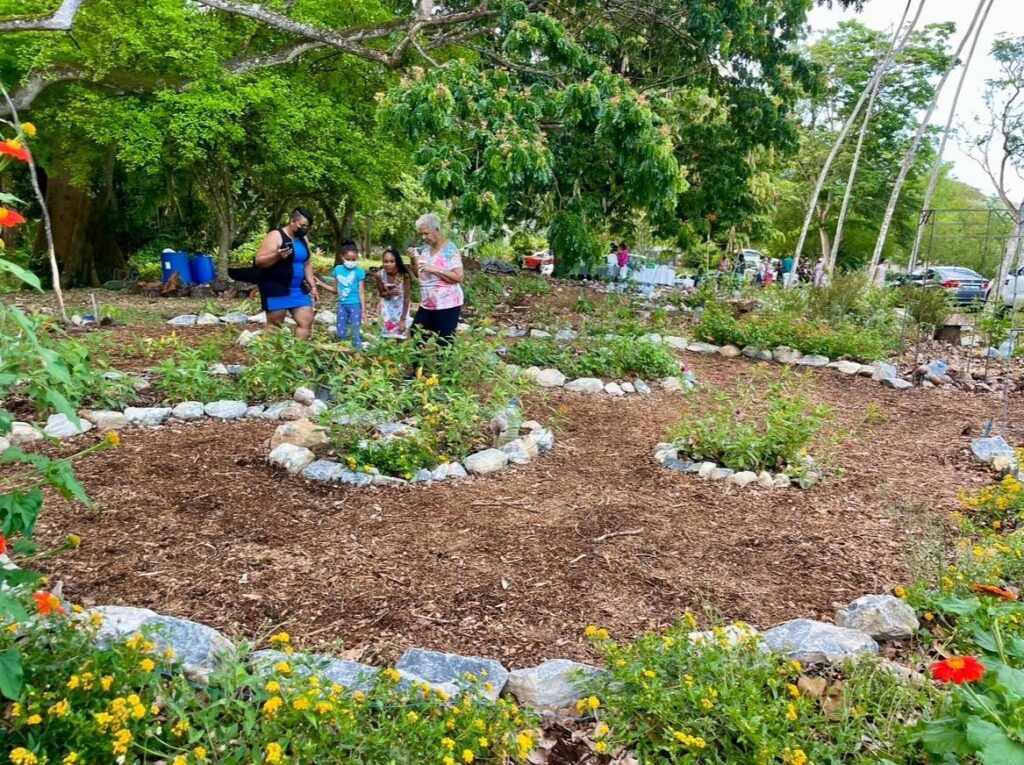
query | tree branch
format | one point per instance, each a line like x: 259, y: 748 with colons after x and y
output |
x: 284, y: 55
x: 59, y: 21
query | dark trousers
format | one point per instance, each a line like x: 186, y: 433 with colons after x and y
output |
x: 441, y: 323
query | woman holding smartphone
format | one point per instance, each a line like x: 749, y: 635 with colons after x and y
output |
x: 438, y: 266
x: 284, y: 273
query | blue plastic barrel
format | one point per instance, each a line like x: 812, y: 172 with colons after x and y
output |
x: 203, y: 271
x: 170, y: 262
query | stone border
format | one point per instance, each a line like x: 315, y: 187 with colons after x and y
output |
x: 667, y: 455
x: 552, y: 378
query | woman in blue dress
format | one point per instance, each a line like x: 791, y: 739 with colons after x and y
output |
x: 285, y: 273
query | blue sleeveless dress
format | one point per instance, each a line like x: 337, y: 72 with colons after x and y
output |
x: 295, y: 298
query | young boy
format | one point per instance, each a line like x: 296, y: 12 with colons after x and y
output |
x: 347, y: 281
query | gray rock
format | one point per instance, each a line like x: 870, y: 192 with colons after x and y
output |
x: 514, y: 332
x: 721, y: 473
x: 652, y: 337
x: 895, y: 382
x: 185, y: 320
x: 447, y: 670
x: 555, y: 684
x: 543, y: 438
x: 258, y: 318
x: 848, y: 367
x: 455, y: 470
x: 539, y: 334
x: 485, y: 462
x: 882, y: 370
x: 987, y: 449
x: 140, y: 384
x: 300, y: 433
x: 248, y: 336
x: 883, y: 617
x: 275, y: 410
x: 813, y: 360
x: 317, y: 408
x: 255, y: 412
x: 304, y: 396
x: 294, y: 411
x: 671, y: 384
x: 742, y: 479
x: 61, y: 426
x: 350, y: 675
x: 549, y: 378
x: 642, y: 388
x: 359, y: 480
x: 389, y: 430
x: 387, y: 480
x: 785, y: 355
x: 234, y: 318
x: 422, y: 476
x: 676, y: 343
x: 200, y: 648
x: 702, y: 348
x: 813, y: 642
x: 665, y: 451
x: 325, y: 317
x: 682, y: 466
x: 105, y: 420
x: 614, y: 389
x: 758, y: 354
x: 291, y: 457
x: 323, y: 470
x: 521, y: 450
x: 585, y: 385
x: 566, y: 335
x: 628, y: 388
x: 226, y: 410
x: 207, y: 319
x: 147, y: 416
x: 765, y: 480
x: 729, y: 351
x: 217, y: 370
x: 113, y: 374
x: 23, y: 433
x: 706, y: 469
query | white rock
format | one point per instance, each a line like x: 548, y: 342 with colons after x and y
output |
x: 487, y: 461
x: 883, y: 617
x: 549, y: 378
x: 585, y: 385
x: 218, y: 370
x: 614, y: 389
x: 531, y: 425
x: 664, y: 452
x: 455, y: 470
x: 742, y: 479
x: 315, y: 409
x: 299, y: 433
x: 642, y: 388
x: 248, y: 336
x: 294, y: 411
x: 539, y: 334
x: 729, y: 636
x: 275, y: 410
x: 765, y: 480
x: 226, y: 410
x: 304, y: 396
x: 521, y: 450
x: 147, y: 416
x: 782, y: 481
x: 627, y: 387
x: 207, y: 319
x: 23, y: 433
x: 5, y: 444
x: 895, y: 383
x: 786, y: 355
x: 671, y: 384
x: 555, y: 684
x: 543, y: 438
x: 652, y: 337
x: 105, y: 419
x: 706, y: 469
x: 255, y: 411
x: 729, y: 351
x: 813, y: 360
x: 259, y: 318
x: 325, y: 317
x: 566, y: 335
x: 676, y: 343
x: 185, y: 320
x: 291, y: 457
x: 61, y: 426
x: 721, y: 474
x: 702, y: 348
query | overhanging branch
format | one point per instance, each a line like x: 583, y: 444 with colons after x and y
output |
x: 59, y: 21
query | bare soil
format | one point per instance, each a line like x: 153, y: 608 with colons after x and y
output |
x: 190, y: 521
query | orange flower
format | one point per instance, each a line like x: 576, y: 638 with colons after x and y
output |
x: 3, y: 545
x: 9, y: 218
x: 958, y: 669
x: 991, y: 589
x: 13, y: 148
x: 47, y: 603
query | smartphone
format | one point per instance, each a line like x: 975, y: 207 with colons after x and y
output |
x: 286, y: 246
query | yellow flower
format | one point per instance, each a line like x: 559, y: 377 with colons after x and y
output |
x: 33, y: 720
x: 793, y: 690
x: 95, y: 618
x: 271, y: 705
x: 73, y: 682
x: 60, y: 709
x: 412, y: 717
x: 280, y: 638
x: 483, y: 742
x: 28, y: 129
x: 900, y: 592
x: 301, y: 704
x: 169, y: 654
x: 688, y: 680
x: 179, y: 760
x: 274, y: 753
x: 22, y: 756
x: 928, y: 616
x: 273, y: 686
x: 794, y: 757
x: 650, y: 674
x: 600, y: 747
x: 593, y: 703
x: 795, y: 665
x: 391, y: 674
x: 602, y: 729
x: 690, y: 619
x: 113, y: 438
x: 791, y: 711
x: 200, y: 753
x: 147, y: 665
x: 121, y: 740
x: 448, y: 760
x: 70, y: 759
x: 180, y: 728
x: 467, y: 755
x: 283, y: 667
x: 324, y: 707
x: 448, y: 743
x: 106, y: 682
x: 707, y: 704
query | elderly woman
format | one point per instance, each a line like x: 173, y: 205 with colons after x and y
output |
x: 283, y: 271
x: 438, y: 267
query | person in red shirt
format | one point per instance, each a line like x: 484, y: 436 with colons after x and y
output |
x: 622, y: 257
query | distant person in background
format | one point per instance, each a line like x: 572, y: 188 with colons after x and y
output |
x: 622, y: 259
x: 283, y: 271
x: 612, y: 262
x: 438, y: 266
x: 880, y: 273
x: 819, y: 273
x: 395, y: 286
x: 787, y: 270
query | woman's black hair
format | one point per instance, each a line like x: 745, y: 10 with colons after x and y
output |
x: 399, y: 263
x: 305, y: 213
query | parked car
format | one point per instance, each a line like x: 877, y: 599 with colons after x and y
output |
x: 963, y: 285
x: 1013, y: 289
x: 542, y: 261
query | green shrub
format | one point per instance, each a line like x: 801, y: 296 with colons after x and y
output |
x: 768, y: 425
x: 184, y: 375
x: 722, y: 701
x: 496, y: 250
x: 279, y: 362
x: 927, y: 306
x: 537, y: 352
x: 620, y: 357
x: 483, y: 292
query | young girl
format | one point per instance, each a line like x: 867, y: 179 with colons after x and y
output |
x: 393, y: 283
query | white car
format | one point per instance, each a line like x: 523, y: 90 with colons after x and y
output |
x: 1013, y: 289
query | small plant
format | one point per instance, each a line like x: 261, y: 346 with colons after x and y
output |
x: 927, y: 307
x: 185, y: 374
x: 999, y: 506
x: 769, y: 425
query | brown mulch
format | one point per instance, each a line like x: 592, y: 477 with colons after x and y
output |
x: 190, y: 521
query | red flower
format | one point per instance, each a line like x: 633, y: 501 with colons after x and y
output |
x: 9, y: 218
x: 47, y: 603
x: 958, y: 669
x: 3, y: 545
x: 991, y: 589
x: 14, y: 148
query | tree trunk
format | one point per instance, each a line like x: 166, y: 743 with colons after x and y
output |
x: 894, y: 50
x: 826, y: 243
x: 1012, y: 251
x: 908, y: 160
x: 348, y: 220
x: 225, y: 238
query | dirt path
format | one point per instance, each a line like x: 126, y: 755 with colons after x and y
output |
x: 191, y: 522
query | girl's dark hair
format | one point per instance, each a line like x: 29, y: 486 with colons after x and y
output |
x: 399, y: 263
x: 305, y: 213
x: 347, y: 246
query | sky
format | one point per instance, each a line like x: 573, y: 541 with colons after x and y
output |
x: 1005, y: 18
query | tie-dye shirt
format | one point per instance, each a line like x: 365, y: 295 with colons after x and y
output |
x: 436, y: 294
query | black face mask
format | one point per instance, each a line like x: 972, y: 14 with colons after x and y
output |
x: 301, y: 231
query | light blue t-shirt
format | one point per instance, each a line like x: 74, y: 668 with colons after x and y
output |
x: 347, y: 281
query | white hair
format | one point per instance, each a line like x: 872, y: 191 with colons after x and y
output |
x: 431, y: 221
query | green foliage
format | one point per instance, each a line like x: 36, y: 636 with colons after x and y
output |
x: 617, y: 358
x: 768, y: 425
x: 129, y: 701
x: 522, y: 287
x: 184, y: 375
x: 496, y: 250
x: 928, y: 307
x: 279, y: 363
x: 723, y: 700
x: 483, y: 292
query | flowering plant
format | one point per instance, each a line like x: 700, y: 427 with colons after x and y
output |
x: 999, y: 506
